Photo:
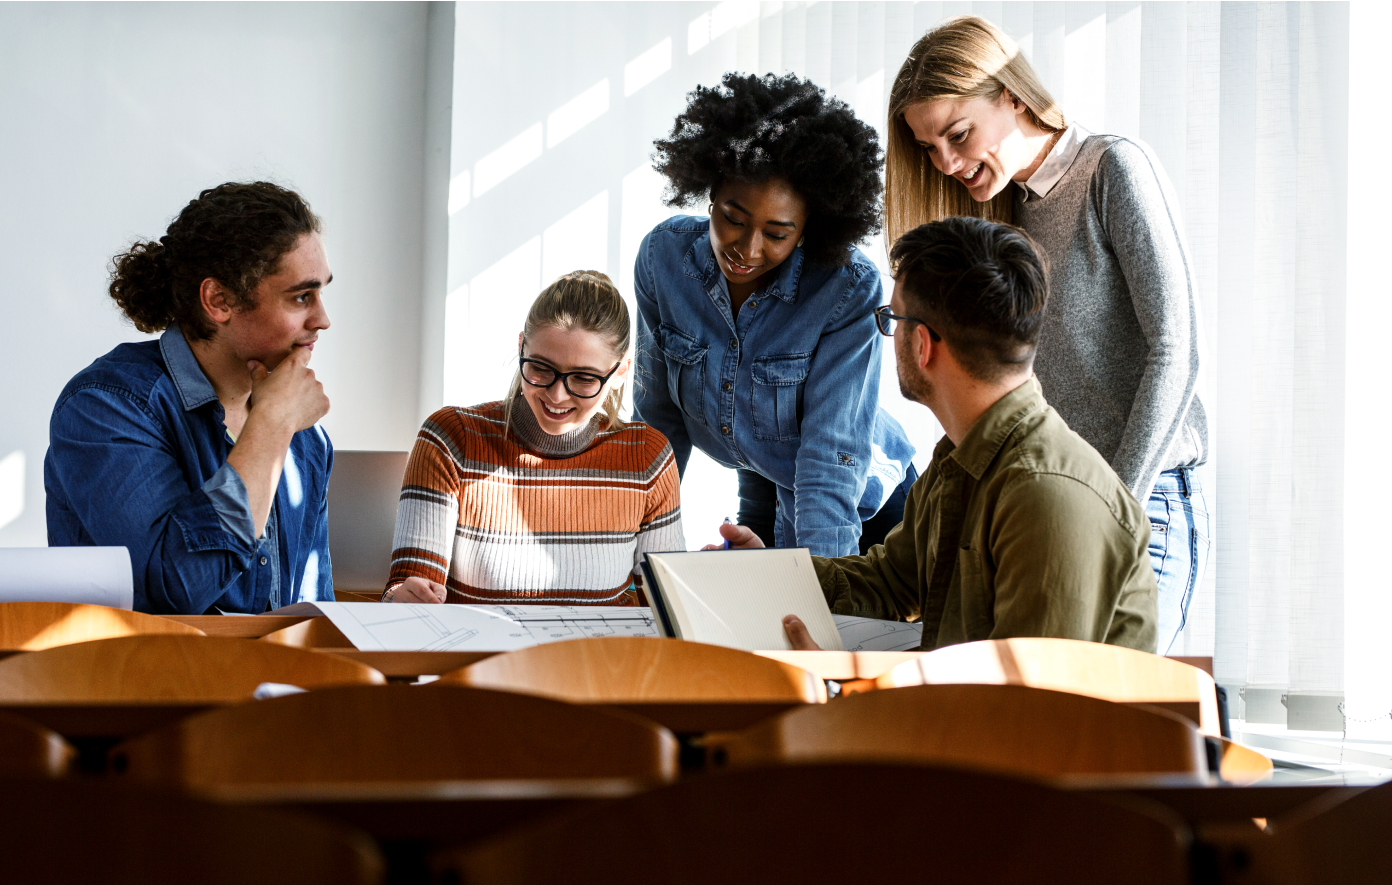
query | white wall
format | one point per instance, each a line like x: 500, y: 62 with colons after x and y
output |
x: 116, y: 115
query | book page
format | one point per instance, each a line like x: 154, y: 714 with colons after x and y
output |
x: 739, y: 598
x: 873, y: 634
x: 374, y: 626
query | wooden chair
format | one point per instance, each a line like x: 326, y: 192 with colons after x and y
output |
x: 399, y: 733
x: 31, y: 626
x: 1004, y: 728
x: 632, y: 669
x: 168, y: 668
x: 1101, y: 671
x: 840, y: 823
x: 1329, y: 839
x: 30, y: 749
x: 79, y: 831
x: 312, y: 633
x: 1241, y: 765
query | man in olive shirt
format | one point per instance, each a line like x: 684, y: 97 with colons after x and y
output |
x: 1019, y: 527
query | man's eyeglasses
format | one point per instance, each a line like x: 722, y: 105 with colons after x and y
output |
x: 884, y: 320
x: 585, y: 385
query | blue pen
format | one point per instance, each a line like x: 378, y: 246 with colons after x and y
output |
x: 728, y: 521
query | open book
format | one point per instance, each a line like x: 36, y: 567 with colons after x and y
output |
x: 738, y: 598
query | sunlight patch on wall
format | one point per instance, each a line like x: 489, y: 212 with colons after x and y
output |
x: 577, y: 113
x: 458, y: 192
x: 493, y: 169
x: 579, y: 241
x: 499, y: 298
x: 11, y: 487
x: 648, y: 67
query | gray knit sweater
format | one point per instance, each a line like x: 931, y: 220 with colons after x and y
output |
x: 1119, y: 350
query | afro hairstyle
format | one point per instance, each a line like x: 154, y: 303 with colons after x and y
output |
x: 754, y: 128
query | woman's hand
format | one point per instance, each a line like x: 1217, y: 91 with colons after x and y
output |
x: 740, y: 538
x: 416, y: 590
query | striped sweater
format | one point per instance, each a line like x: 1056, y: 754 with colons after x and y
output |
x: 503, y: 515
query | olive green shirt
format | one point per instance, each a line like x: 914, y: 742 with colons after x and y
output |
x: 1022, y: 530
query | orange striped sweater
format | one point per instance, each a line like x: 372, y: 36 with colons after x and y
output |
x: 519, y: 515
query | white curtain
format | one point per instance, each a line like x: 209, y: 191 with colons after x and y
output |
x: 556, y: 107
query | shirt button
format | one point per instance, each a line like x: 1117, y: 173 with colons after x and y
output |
x: 729, y: 386
x: 725, y: 429
x: 753, y: 304
x: 734, y: 342
x: 264, y: 560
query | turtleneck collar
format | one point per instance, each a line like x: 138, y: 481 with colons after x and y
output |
x: 567, y: 445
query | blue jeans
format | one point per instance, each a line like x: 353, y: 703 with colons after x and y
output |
x: 1179, y: 541
x: 758, y: 509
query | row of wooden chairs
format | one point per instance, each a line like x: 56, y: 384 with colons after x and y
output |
x: 447, y: 732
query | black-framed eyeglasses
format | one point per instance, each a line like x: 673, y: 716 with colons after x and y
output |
x: 585, y: 385
x: 884, y: 320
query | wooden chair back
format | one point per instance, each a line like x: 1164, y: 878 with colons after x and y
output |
x: 169, y: 668
x: 1242, y: 765
x: 312, y: 633
x: 1109, y: 672
x: 1335, y: 837
x: 80, y: 831
x: 1004, y: 728
x: 27, y: 748
x: 633, y: 669
x: 399, y: 733
x: 891, y: 823
x: 31, y: 626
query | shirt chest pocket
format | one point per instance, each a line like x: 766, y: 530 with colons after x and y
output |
x: 686, y: 371
x: 778, y: 385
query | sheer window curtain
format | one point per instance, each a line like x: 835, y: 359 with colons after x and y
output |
x: 1246, y: 104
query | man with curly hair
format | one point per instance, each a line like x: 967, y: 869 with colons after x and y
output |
x: 756, y: 340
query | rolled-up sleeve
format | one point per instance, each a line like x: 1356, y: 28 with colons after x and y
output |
x: 839, y: 404
x: 111, y: 458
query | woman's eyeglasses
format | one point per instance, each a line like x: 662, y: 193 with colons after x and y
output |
x: 585, y: 385
x: 884, y: 320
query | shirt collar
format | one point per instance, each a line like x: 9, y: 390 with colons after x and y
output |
x: 1057, y: 163
x: 194, y: 388
x: 700, y: 264
x: 991, y: 430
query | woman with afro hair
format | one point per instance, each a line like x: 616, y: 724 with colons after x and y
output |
x: 756, y: 341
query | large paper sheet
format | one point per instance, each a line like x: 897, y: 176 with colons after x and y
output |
x: 93, y: 575
x: 374, y: 626
x: 872, y: 634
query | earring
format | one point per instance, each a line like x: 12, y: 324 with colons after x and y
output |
x: 710, y: 209
x: 801, y: 240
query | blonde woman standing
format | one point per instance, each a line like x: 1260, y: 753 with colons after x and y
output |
x: 546, y: 496
x: 972, y: 131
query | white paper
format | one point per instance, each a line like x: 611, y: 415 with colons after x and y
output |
x: 872, y: 634
x: 739, y: 599
x: 94, y: 575
x: 376, y: 626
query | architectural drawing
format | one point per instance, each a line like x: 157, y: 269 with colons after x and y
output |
x: 870, y: 634
x: 372, y: 626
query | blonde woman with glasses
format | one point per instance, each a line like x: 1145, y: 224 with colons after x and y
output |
x: 973, y: 131
x: 546, y: 496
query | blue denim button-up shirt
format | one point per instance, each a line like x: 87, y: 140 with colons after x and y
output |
x: 137, y: 458
x: 789, y: 389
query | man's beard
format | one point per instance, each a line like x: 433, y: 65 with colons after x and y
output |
x: 911, y: 385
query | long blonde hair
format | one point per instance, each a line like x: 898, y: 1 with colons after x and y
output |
x: 963, y: 58
x: 586, y: 300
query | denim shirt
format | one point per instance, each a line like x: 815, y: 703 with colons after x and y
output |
x: 137, y: 458
x: 789, y: 389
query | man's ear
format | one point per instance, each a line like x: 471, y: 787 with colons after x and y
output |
x: 924, y: 346
x: 213, y: 296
